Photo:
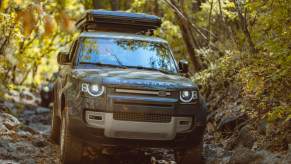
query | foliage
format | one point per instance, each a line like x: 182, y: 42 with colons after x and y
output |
x: 33, y: 33
x: 264, y: 77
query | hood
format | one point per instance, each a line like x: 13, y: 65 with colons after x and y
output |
x: 133, y: 78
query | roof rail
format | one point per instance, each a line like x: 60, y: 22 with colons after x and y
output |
x: 118, y: 21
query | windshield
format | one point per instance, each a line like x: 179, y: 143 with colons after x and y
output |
x: 127, y: 53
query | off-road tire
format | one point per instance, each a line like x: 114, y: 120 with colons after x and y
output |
x: 190, y: 156
x: 71, y: 149
x: 194, y: 154
x: 45, y: 103
x: 55, y: 128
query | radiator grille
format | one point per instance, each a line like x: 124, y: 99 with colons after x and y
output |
x: 142, y: 117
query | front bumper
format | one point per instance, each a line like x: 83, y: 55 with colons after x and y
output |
x: 137, y: 129
x: 135, y: 134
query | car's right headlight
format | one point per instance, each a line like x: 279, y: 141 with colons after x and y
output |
x: 94, y: 90
x: 188, y: 96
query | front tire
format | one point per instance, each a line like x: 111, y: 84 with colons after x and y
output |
x: 55, y: 127
x: 192, y: 155
x: 71, y: 149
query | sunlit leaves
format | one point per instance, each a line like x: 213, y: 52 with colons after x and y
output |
x: 31, y: 35
x: 49, y: 25
x: 28, y: 20
x: 65, y: 22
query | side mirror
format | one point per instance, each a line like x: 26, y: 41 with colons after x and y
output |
x: 63, y: 58
x: 183, y: 66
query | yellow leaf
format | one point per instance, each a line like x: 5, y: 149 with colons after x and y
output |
x: 28, y: 22
x: 65, y: 22
x: 49, y: 25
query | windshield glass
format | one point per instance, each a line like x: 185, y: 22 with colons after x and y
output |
x: 127, y: 53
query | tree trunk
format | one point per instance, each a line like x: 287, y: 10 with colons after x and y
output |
x: 191, y: 43
x: 156, y: 8
x: 188, y: 35
x: 209, y: 22
x: 244, y: 26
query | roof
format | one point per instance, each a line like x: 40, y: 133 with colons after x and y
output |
x: 120, y: 35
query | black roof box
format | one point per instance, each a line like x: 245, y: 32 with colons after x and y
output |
x: 102, y: 20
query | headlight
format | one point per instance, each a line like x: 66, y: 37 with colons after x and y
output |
x: 46, y: 89
x: 188, y: 96
x: 93, y: 89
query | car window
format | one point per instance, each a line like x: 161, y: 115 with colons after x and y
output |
x: 125, y: 52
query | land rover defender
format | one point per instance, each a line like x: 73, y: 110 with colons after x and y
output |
x: 118, y: 86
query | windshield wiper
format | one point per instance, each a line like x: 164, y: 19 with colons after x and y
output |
x: 149, y: 68
x: 103, y: 64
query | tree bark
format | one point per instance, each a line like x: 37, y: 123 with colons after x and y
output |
x: 209, y: 22
x: 188, y: 35
x: 244, y: 26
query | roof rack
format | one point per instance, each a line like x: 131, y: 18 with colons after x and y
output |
x: 118, y: 21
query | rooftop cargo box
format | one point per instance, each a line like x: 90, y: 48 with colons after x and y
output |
x: 102, y: 20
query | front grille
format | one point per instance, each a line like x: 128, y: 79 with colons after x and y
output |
x: 142, y: 117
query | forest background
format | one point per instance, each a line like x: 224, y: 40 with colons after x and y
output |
x: 239, y: 51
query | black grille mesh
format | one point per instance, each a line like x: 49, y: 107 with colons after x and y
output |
x: 142, y: 117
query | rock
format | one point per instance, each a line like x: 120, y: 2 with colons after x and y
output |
x: 269, y: 157
x: 3, y: 153
x: 40, y: 128
x: 288, y: 138
x: 243, y: 155
x: 262, y: 126
x: 230, y: 121
x: 270, y: 129
x: 41, y: 110
x: 287, y: 159
x: 39, y: 143
x: 22, y: 149
x: 28, y: 129
x: 22, y: 133
x: 246, y: 137
x: 8, y: 105
x: 8, y: 162
x: 29, y: 161
x: 6, y: 148
x: 4, y: 130
x: 8, y: 120
x: 216, y: 154
x: 27, y: 113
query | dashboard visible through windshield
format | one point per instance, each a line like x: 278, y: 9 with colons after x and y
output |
x: 127, y: 53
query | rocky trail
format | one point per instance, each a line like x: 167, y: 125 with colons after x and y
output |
x: 24, y: 138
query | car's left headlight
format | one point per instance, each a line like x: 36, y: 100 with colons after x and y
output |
x: 188, y: 96
x: 94, y: 90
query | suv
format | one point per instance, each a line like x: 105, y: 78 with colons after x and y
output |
x: 117, y: 88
